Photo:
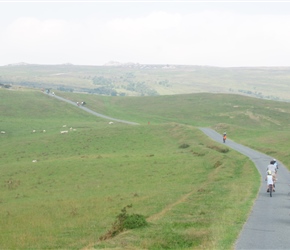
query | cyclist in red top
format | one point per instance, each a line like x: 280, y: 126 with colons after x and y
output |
x: 225, y: 137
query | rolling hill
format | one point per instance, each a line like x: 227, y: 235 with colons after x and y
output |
x: 66, y: 190
x: 151, y: 80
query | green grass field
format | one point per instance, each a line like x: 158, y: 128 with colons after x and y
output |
x: 192, y: 196
x: 260, y: 124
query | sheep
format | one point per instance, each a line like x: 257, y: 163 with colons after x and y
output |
x: 33, y: 131
x: 44, y: 131
x: 110, y: 122
x: 3, y: 132
x: 64, y: 132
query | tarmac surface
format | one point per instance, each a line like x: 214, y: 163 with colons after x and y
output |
x: 93, y: 112
x: 268, y: 226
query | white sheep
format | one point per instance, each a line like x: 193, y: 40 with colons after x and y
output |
x: 3, y: 132
x: 64, y: 132
x: 110, y: 122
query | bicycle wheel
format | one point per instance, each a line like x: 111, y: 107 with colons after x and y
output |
x: 270, y: 190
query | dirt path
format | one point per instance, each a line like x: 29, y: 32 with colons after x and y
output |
x: 159, y: 215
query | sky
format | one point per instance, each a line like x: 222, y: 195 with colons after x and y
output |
x: 206, y: 33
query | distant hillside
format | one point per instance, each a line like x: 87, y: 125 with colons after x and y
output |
x: 131, y: 79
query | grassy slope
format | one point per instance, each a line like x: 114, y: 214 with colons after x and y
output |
x: 260, y: 124
x: 81, y: 180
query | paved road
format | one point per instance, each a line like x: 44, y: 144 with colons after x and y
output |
x: 268, y: 226
x: 93, y: 112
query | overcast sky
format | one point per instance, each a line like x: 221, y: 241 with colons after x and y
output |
x: 213, y: 33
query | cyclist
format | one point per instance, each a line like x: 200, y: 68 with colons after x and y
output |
x: 270, y: 180
x: 273, y: 170
x: 224, y: 137
x: 275, y: 162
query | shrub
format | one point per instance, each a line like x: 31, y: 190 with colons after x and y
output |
x: 184, y: 145
x: 125, y: 221
x: 134, y: 221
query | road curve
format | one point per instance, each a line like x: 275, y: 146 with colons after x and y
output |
x: 93, y: 112
x: 268, y: 226
x: 269, y: 221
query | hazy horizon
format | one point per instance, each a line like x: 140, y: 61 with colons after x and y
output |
x: 208, y: 33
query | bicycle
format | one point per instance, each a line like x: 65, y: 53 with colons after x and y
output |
x: 270, y: 189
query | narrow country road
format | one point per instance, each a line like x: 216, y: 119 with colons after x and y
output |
x: 268, y: 226
x: 91, y: 111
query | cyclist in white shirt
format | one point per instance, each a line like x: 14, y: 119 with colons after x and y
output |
x: 273, y: 170
x: 269, y: 179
